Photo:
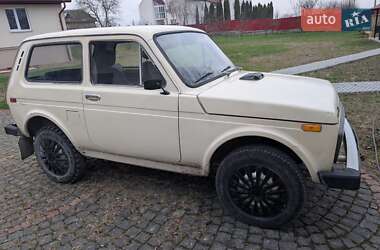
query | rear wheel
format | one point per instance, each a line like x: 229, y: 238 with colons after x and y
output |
x: 260, y: 185
x: 57, y: 157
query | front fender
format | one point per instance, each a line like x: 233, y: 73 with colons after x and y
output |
x: 273, y: 134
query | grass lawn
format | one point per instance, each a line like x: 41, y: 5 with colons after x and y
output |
x: 363, y: 70
x: 3, y: 86
x: 361, y: 110
x: 281, y: 50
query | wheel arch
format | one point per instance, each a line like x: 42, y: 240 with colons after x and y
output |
x: 225, y: 145
x: 36, y: 120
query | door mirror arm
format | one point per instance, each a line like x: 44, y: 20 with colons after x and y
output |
x: 164, y: 91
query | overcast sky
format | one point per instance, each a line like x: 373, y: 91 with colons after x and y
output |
x: 129, y: 8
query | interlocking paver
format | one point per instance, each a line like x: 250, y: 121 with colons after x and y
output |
x: 124, y: 207
x: 357, y: 87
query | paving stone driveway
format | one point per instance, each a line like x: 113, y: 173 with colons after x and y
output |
x: 118, y: 206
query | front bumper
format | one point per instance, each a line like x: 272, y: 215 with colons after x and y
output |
x: 345, y: 175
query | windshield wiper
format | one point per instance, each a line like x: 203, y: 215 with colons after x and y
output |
x: 204, y: 76
x: 230, y: 69
x: 226, y: 68
x: 222, y: 72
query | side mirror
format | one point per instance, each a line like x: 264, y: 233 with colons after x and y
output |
x: 153, y: 84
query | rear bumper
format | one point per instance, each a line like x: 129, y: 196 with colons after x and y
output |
x: 345, y: 175
x: 12, y: 129
x: 25, y: 144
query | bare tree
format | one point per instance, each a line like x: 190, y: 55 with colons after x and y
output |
x: 181, y: 10
x: 303, y: 4
x: 185, y: 12
x: 344, y: 4
x: 331, y: 4
x: 349, y: 4
x: 104, y: 11
x: 174, y: 9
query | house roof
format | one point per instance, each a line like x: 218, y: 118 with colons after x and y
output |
x: 33, y: 1
x: 158, y: 2
x: 377, y: 7
x: 78, y: 16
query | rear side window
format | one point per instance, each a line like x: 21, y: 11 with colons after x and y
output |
x: 56, y: 63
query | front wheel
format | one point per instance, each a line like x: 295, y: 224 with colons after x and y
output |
x: 260, y: 185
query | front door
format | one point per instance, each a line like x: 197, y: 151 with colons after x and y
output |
x: 122, y: 117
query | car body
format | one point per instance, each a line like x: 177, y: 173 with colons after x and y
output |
x: 174, y: 121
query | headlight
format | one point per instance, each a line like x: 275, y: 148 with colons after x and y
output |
x: 340, y: 132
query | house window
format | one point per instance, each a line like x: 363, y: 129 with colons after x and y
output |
x: 17, y: 19
x: 159, y: 11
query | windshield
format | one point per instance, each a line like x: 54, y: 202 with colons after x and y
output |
x: 195, y: 57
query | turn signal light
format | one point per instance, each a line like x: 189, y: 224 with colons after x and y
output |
x: 312, y: 127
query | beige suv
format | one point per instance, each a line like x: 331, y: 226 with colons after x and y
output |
x: 166, y: 97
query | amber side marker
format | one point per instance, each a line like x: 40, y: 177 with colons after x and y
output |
x: 312, y: 127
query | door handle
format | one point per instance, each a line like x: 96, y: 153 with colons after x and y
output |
x: 93, y: 98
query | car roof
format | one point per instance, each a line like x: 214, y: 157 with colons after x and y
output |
x: 145, y: 31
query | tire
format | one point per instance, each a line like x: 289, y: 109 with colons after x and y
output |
x: 57, y: 157
x: 270, y: 201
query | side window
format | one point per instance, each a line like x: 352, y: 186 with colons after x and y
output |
x: 120, y: 63
x: 115, y: 63
x: 58, y: 63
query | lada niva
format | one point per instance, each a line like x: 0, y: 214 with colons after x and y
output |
x: 166, y: 97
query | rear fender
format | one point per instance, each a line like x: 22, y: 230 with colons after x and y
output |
x: 57, y: 122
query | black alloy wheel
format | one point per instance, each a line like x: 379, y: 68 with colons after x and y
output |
x: 54, y: 157
x: 260, y: 185
x: 258, y: 191
x: 57, y: 156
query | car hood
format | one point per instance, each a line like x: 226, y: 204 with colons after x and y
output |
x: 276, y: 96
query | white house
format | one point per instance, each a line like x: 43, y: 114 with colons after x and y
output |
x: 172, y: 11
x: 23, y: 18
x: 153, y: 12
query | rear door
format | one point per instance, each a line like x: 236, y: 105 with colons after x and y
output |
x: 122, y: 117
